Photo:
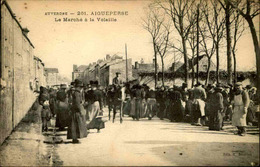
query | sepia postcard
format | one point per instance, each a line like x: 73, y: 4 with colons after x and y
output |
x: 129, y: 83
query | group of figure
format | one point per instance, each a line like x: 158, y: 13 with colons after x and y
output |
x: 209, y: 105
x: 79, y: 108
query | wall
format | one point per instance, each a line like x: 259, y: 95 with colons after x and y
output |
x: 6, y: 96
x: 104, y: 76
x: 52, y: 79
x: 17, y: 73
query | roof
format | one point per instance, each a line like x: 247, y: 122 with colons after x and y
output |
x: 176, y: 66
x: 182, y: 68
x: 51, y: 70
x: 81, y: 68
x: 113, y: 62
x: 146, y: 67
x: 14, y: 17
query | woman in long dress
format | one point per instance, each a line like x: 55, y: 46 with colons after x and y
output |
x: 62, y: 108
x: 95, y: 110
x: 77, y: 126
x: 216, y: 109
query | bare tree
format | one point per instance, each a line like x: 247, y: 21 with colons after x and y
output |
x: 216, y: 26
x: 227, y: 8
x: 193, y: 46
x: 237, y: 30
x: 249, y: 10
x: 208, y: 33
x: 179, y: 11
x: 152, y: 23
x: 163, y: 45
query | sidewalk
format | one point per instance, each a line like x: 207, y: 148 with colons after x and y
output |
x: 26, y: 139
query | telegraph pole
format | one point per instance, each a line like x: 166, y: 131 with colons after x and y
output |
x: 198, y: 13
x: 126, y: 63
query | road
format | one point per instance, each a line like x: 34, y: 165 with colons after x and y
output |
x: 157, y: 142
x: 132, y: 143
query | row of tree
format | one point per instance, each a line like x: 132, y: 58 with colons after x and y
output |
x: 190, y: 28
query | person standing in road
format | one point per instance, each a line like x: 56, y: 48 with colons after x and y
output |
x: 62, y: 108
x: 77, y: 127
x: 151, y: 104
x: 216, y: 109
x: 240, y: 105
x: 200, y: 97
x: 96, y: 108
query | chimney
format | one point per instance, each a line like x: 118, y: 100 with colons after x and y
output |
x: 25, y: 31
x: 136, y: 65
x: 74, y: 67
x: 108, y: 57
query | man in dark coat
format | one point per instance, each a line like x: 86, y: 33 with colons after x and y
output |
x: 117, y: 80
x: 77, y: 127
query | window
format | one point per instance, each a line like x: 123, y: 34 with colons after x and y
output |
x: 205, y: 67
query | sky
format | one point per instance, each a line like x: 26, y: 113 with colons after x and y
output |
x: 62, y: 44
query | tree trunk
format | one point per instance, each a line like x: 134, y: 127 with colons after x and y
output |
x: 192, y: 67
x: 235, y: 66
x: 229, y: 58
x: 162, y: 71
x: 155, y: 65
x: 217, y: 59
x: 198, y: 13
x: 208, y: 72
x: 186, y: 60
x: 257, y: 54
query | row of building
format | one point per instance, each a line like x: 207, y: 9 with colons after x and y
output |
x: 105, y: 70
x: 21, y: 72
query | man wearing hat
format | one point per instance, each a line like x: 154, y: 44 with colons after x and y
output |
x: 240, y: 104
x: 117, y: 80
x: 62, y: 110
x: 70, y: 91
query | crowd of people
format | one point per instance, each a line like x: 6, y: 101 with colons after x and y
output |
x: 80, y: 107
x: 201, y: 106
x: 74, y: 107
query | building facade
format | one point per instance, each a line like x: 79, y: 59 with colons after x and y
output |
x: 17, y: 72
x: 78, y: 72
x: 108, y: 71
x: 52, y: 77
